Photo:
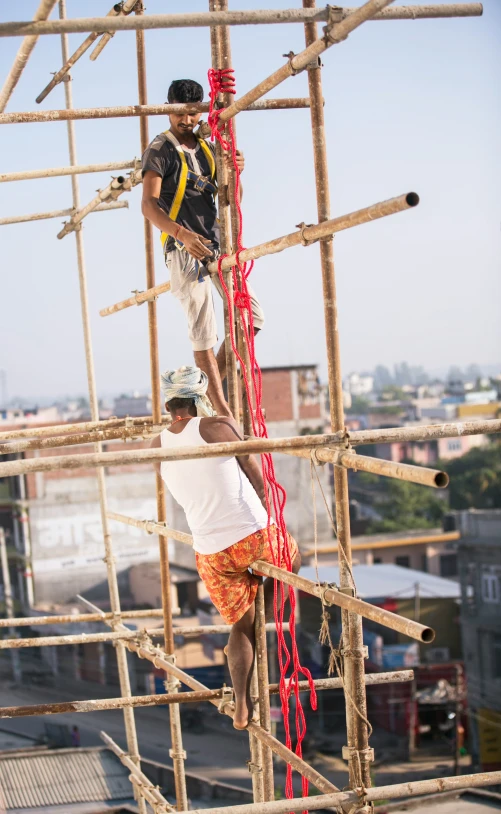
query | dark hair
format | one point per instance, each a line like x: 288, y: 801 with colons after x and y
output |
x: 185, y: 91
x: 180, y: 404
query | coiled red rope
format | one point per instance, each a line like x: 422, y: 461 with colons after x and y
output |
x: 224, y: 82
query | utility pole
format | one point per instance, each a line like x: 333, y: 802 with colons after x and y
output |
x: 9, y: 605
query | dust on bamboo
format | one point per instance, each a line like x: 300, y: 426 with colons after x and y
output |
x: 60, y: 213
x: 192, y: 697
x: 257, y: 17
x: 80, y: 427
x: 56, y: 172
x: 127, y: 111
x: 138, y: 433
x: 306, y: 235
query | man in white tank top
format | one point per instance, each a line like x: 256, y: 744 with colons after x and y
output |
x: 224, y: 503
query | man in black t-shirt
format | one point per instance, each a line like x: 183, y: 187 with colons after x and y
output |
x: 179, y: 189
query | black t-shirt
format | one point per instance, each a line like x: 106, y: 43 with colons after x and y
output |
x: 198, y: 210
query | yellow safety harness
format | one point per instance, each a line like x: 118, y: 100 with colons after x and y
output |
x: 185, y: 175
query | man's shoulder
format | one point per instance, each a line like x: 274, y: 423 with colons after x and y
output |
x: 220, y: 427
x: 160, y: 144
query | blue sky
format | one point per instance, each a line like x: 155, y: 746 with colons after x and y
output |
x: 409, y: 106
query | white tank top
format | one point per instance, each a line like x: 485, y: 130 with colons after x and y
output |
x: 220, y: 504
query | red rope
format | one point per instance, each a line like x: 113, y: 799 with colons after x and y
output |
x: 224, y: 82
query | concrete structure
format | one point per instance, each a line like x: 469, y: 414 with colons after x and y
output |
x: 480, y: 574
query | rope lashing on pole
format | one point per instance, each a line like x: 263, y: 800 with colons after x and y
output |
x: 223, y: 81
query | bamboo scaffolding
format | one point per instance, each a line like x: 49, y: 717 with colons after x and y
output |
x: 9, y: 604
x: 55, y: 172
x: 127, y: 111
x: 23, y: 55
x: 249, y: 447
x: 305, y: 236
x: 390, y: 469
x: 81, y: 50
x: 144, y: 432
x: 177, y: 753
x: 264, y: 689
x: 142, y: 781
x: 83, y: 618
x: 110, y: 193
x: 60, y: 213
x: 109, y: 559
x: 192, y: 697
x: 258, y: 17
x: 79, y: 427
x: 127, y: 7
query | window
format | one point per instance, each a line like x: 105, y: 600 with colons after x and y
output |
x: 448, y: 565
x: 490, y: 588
x: 453, y: 445
x: 424, y: 563
x: 404, y: 561
x: 377, y: 560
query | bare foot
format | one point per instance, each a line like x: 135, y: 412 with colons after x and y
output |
x: 244, y: 715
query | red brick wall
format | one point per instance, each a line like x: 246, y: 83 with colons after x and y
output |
x: 277, y: 396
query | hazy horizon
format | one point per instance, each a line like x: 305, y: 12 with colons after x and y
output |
x: 409, y: 106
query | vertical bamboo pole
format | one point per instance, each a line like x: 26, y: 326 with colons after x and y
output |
x: 264, y: 696
x: 123, y: 670
x: 9, y: 606
x: 177, y: 752
x: 357, y: 751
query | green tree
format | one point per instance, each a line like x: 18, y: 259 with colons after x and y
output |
x: 475, y: 478
x: 403, y: 505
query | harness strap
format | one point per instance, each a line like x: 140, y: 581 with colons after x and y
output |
x: 186, y: 174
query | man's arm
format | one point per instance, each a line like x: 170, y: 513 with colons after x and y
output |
x: 196, y: 245
x: 154, y: 444
x: 219, y: 429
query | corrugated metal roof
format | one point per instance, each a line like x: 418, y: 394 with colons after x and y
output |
x: 388, y: 581
x: 63, y: 776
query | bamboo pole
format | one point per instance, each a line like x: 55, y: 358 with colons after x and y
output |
x: 137, y: 433
x: 110, y: 193
x: 347, y: 800
x: 23, y: 55
x: 121, y: 655
x: 177, y: 753
x: 377, y: 466
x: 249, y: 447
x: 152, y: 527
x: 259, y: 17
x: 79, y: 427
x: 336, y: 30
x: 192, y: 697
x: 59, y: 213
x: 125, y: 9
x: 143, y: 782
x: 305, y: 235
x: 9, y: 604
x: 334, y: 596
x: 264, y: 694
x: 81, y: 50
x: 351, y: 625
x: 127, y: 111
x: 56, y: 172
x: 76, y: 618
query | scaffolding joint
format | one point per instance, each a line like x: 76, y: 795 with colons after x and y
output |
x: 182, y: 755
x: 352, y: 753
x: 356, y: 652
x: 226, y: 699
x: 336, y: 14
x: 304, y: 240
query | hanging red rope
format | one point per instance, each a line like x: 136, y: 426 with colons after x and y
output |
x: 223, y: 82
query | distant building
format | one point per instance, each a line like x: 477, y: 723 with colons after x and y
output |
x: 359, y: 384
x: 134, y: 406
x: 480, y: 573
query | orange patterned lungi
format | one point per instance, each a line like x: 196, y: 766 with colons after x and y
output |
x: 226, y: 575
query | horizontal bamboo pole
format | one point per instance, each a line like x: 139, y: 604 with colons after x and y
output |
x: 60, y: 213
x: 330, y: 595
x: 152, y: 527
x: 23, y: 55
x: 75, y: 618
x: 144, y: 432
x: 377, y: 466
x: 127, y: 111
x: 55, y: 172
x: 424, y: 432
x: 78, y: 427
x: 110, y: 636
x: 336, y: 30
x: 221, y: 18
x: 153, y: 794
x: 346, y: 799
x: 302, y: 236
x: 100, y: 704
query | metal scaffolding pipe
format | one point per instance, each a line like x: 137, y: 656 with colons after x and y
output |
x: 60, y: 213
x: 79, y: 427
x: 152, y: 527
x: 55, y: 172
x: 126, y: 111
x: 138, y: 433
x: 110, y: 193
x: 192, y: 697
x: 125, y: 9
x: 333, y: 596
x: 377, y: 466
x: 306, y: 235
x: 23, y: 55
x: 258, y: 17
x: 424, y: 432
x: 76, y: 618
x: 153, y: 794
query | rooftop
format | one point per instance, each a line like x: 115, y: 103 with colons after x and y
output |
x: 389, y: 581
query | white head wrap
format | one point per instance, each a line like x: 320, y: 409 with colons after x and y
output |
x: 188, y: 382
